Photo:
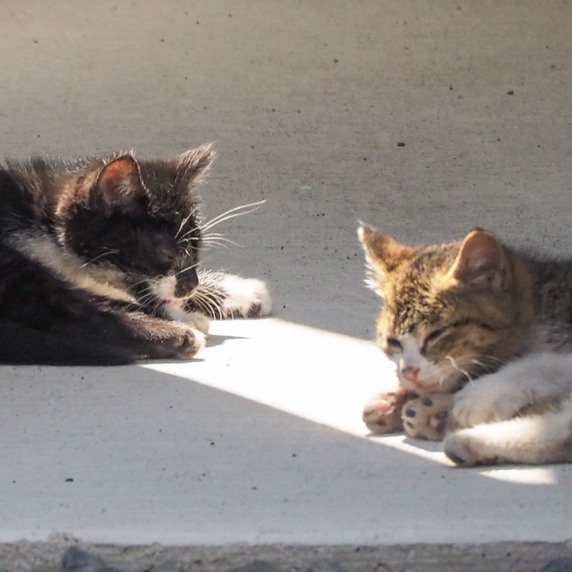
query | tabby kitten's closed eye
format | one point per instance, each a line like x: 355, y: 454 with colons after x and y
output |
x: 481, y: 337
x: 99, y: 262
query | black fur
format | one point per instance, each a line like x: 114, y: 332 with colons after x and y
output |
x: 124, y: 223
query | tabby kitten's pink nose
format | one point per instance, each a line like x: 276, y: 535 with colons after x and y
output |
x: 410, y: 373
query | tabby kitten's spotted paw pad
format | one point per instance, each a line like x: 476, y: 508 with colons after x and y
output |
x: 428, y: 417
x: 382, y: 413
x: 246, y: 297
x: 466, y: 450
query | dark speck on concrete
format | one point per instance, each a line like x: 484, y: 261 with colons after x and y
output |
x: 510, y: 92
x: 401, y: 144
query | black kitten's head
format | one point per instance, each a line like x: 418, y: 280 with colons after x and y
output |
x: 139, y: 218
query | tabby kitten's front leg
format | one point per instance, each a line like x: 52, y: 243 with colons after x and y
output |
x: 382, y: 412
x: 429, y: 417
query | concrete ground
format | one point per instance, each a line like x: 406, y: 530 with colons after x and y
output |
x: 256, y: 448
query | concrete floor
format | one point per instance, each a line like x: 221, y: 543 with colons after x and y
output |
x: 256, y: 448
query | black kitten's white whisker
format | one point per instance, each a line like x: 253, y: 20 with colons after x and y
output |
x: 183, y: 223
x: 99, y: 256
x: 220, y: 240
x: 231, y: 213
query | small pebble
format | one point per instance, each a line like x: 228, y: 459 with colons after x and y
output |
x: 324, y: 566
x: 76, y: 560
x: 559, y: 565
x: 168, y: 566
x: 256, y: 566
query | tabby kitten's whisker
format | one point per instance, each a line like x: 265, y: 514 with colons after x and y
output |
x: 460, y: 369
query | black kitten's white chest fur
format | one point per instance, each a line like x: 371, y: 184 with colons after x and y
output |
x: 99, y: 262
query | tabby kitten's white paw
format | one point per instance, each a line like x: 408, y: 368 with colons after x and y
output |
x: 487, y: 400
x: 467, y: 448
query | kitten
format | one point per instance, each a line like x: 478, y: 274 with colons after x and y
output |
x: 99, y: 262
x: 482, y: 339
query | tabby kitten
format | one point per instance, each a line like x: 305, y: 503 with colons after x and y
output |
x: 482, y: 339
x: 99, y: 262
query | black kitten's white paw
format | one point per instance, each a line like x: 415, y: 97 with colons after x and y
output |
x: 195, y: 319
x: 245, y: 297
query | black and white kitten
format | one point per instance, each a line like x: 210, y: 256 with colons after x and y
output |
x: 98, y: 262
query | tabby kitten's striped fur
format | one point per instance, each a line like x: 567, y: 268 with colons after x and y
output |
x: 482, y: 339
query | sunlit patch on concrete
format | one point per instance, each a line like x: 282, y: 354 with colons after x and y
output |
x: 316, y: 375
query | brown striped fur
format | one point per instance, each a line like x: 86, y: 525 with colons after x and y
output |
x: 452, y: 316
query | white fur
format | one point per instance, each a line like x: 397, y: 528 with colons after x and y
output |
x: 175, y: 312
x: 98, y: 280
x: 243, y: 293
x: 432, y: 378
x: 489, y: 409
x: 536, y: 378
x: 164, y: 288
x: 535, y: 439
x: 200, y: 337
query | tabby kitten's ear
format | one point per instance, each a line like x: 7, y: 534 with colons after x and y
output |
x: 480, y: 261
x: 118, y: 186
x: 195, y: 163
x: 383, y: 254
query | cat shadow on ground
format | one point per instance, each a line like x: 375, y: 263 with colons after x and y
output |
x: 217, y: 340
x: 431, y: 446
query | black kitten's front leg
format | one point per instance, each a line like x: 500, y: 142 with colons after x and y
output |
x: 45, y: 320
x: 222, y: 296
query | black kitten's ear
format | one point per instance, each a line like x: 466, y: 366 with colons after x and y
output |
x: 119, y: 187
x: 383, y: 255
x: 194, y: 164
x: 480, y: 261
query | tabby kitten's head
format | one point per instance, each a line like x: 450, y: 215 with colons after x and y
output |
x: 450, y: 312
x: 138, y: 220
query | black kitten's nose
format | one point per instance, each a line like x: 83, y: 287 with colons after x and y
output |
x: 187, y: 281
